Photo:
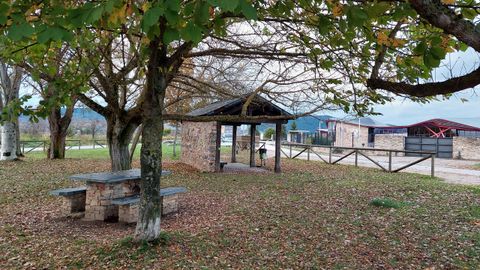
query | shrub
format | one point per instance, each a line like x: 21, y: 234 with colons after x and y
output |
x: 387, y: 203
x: 269, y: 132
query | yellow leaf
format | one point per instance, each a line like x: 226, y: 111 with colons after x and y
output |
x: 400, y: 60
x: 448, y: 2
x: 118, y: 15
x: 398, y: 42
x: 337, y: 10
x: 382, y: 39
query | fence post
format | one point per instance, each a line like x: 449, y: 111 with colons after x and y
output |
x: 390, y: 161
x: 79, y: 144
x: 93, y: 144
x: 23, y: 148
x: 330, y: 155
x: 44, y: 146
x: 356, y: 158
x: 290, y: 151
x: 308, y: 153
x: 433, y: 165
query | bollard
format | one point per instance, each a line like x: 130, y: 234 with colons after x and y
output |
x: 433, y: 165
x: 390, y: 161
x: 356, y: 158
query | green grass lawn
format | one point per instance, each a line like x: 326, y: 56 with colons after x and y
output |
x: 313, y: 216
x: 102, y: 153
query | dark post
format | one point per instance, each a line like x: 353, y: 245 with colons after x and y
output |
x: 330, y: 155
x: 433, y: 165
x: 278, y: 144
x: 389, y: 161
x: 356, y: 158
x: 308, y: 153
x: 218, y: 145
x: 234, y: 144
x: 252, y: 145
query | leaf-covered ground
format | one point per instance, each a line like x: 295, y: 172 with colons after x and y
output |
x: 313, y: 216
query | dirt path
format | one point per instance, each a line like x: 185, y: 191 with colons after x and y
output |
x: 451, y: 170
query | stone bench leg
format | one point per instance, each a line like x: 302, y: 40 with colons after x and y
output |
x: 98, y: 202
x: 169, y: 204
x: 128, y: 213
x: 73, y: 204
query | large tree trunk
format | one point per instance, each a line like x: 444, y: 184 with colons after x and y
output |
x: 57, y: 145
x: 148, y: 224
x: 58, y: 126
x: 119, y: 135
x: 8, y: 148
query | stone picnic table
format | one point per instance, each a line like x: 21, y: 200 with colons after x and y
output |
x: 104, y: 187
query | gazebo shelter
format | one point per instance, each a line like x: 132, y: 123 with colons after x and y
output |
x: 201, y: 141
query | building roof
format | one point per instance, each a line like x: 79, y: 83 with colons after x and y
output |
x: 364, y: 122
x: 259, y: 106
x: 441, y: 123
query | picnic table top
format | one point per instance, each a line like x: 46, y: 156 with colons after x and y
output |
x: 111, y: 177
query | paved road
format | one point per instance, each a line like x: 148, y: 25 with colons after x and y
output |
x: 451, y: 170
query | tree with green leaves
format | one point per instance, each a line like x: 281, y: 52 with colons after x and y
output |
x: 269, y: 133
x: 58, y: 76
x: 293, y: 125
x: 382, y: 48
x: 114, y: 88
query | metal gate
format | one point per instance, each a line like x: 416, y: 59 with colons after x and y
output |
x: 443, y: 146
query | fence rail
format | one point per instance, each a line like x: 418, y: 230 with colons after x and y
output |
x: 32, y: 145
x: 356, y: 151
x: 101, y: 143
x: 69, y: 144
x: 29, y: 146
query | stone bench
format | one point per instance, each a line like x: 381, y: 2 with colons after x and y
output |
x: 73, y: 199
x: 128, y: 206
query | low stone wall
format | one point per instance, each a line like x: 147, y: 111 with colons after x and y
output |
x: 466, y: 148
x: 198, y: 145
x: 390, y: 141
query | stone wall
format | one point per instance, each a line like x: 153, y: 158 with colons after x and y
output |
x: 198, y: 145
x: 390, y: 141
x: 343, y: 135
x: 466, y: 148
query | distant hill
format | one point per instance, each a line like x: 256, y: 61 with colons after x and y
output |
x: 79, y: 114
x: 309, y: 122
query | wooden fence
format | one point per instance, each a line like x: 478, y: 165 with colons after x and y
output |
x: 356, y: 152
x: 29, y: 146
